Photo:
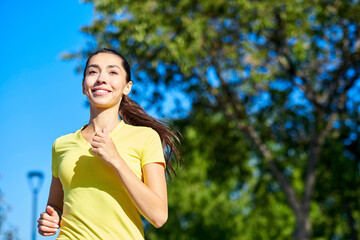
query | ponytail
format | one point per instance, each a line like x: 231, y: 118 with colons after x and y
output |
x: 132, y: 113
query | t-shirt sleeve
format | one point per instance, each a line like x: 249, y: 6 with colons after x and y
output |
x: 152, y: 150
x: 55, y: 162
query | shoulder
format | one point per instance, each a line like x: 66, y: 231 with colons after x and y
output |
x: 142, y: 135
x: 142, y: 131
x: 65, y: 140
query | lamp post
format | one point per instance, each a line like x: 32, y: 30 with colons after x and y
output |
x: 35, y: 179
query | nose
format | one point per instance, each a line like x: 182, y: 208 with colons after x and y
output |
x: 101, y: 79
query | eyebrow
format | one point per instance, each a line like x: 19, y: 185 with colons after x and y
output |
x: 98, y: 67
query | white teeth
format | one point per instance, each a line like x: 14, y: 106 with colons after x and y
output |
x: 100, y: 90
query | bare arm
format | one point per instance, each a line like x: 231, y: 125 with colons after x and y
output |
x: 150, y: 198
x: 56, y: 195
x: 49, y: 221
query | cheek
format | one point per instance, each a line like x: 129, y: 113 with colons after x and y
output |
x: 118, y: 85
x: 87, y: 83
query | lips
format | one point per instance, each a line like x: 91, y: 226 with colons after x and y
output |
x: 100, y: 91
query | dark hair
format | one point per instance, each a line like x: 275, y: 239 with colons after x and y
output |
x: 132, y: 113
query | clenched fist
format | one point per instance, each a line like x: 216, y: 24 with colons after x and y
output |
x: 48, y: 223
x: 104, y: 147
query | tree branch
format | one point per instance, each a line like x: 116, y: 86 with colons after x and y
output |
x: 260, y: 146
x: 351, y: 220
x: 269, y: 159
x: 317, y: 142
x: 292, y: 70
x: 224, y: 85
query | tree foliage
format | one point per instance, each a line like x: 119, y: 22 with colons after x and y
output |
x: 282, y: 73
x: 218, y: 193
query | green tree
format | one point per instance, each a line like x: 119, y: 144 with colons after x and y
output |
x: 218, y: 194
x: 337, y: 193
x: 279, y: 71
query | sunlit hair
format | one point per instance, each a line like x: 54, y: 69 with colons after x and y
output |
x: 132, y: 113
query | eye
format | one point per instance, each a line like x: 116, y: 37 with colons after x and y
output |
x: 113, y: 73
x: 92, y: 72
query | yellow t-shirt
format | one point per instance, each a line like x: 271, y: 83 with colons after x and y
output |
x: 96, y: 204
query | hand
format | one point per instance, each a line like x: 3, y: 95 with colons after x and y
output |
x: 48, y: 222
x: 104, y: 147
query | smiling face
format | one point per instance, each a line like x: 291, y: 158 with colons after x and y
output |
x: 105, y: 81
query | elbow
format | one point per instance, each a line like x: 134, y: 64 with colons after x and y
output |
x: 160, y: 220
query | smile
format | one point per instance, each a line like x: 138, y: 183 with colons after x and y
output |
x: 100, y: 90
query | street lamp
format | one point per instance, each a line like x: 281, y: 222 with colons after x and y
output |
x: 35, y: 179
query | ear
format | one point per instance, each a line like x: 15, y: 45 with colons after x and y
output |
x: 127, y: 88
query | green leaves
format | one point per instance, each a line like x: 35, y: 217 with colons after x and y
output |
x: 267, y: 81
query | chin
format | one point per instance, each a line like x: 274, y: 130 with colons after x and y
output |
x: 103, y: 104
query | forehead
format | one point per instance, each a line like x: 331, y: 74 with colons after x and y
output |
x: 106, y: 59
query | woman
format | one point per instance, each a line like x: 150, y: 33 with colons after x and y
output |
x: 110, y: 171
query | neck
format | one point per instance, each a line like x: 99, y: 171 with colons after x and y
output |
x: 103, y: 118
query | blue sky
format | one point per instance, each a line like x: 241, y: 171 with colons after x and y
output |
x: 40, y: 96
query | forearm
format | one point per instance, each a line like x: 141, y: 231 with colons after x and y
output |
x: 151, y: 205
x: 56, y: 196
x: 57, y: 209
